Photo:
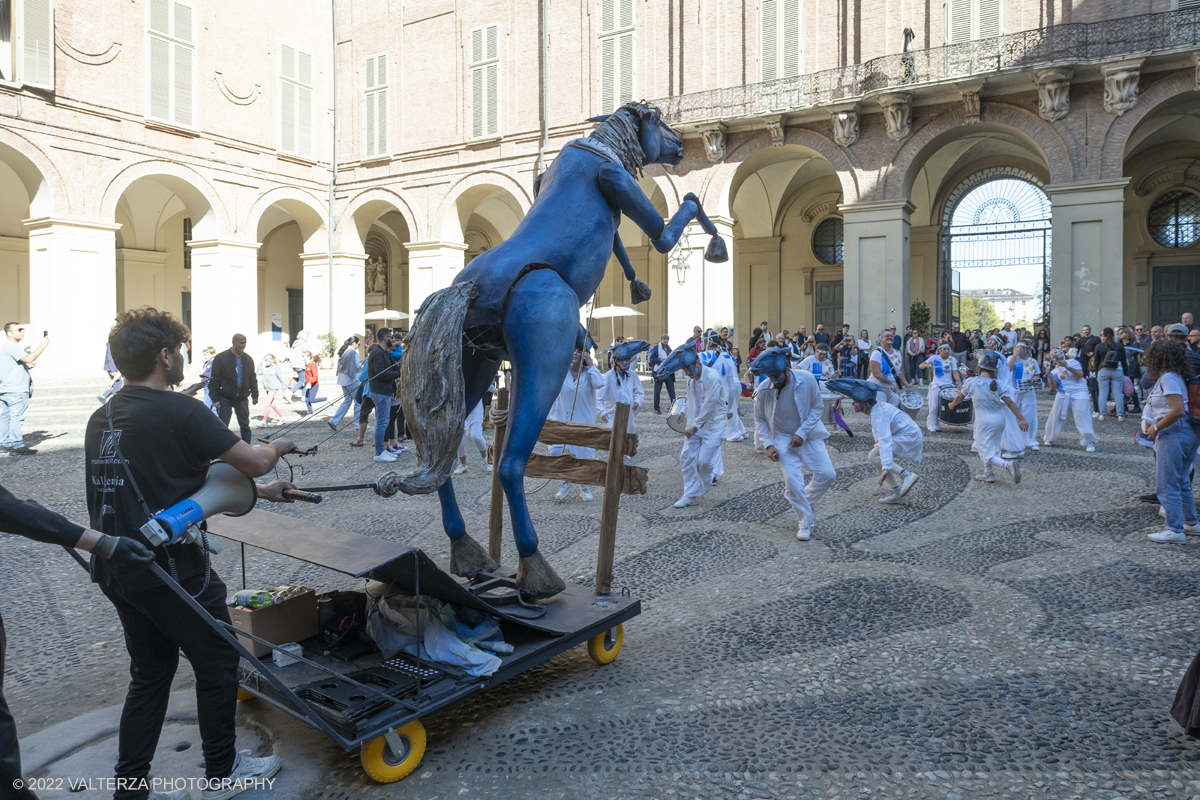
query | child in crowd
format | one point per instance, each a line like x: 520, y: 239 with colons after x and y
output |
x: 311, y: 381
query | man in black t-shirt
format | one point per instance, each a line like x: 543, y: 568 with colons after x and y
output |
x: 162, y: 443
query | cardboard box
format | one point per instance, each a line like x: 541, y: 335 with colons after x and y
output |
x: 293, y: 620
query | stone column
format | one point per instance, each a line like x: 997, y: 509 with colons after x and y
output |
x: 876, y: 264
x: 349, y: 293
x: 706, y: 296
x: 224, y: 293
x: 140, y: 279
x: 431, y: 266
x: 1087, y: 258
x: 72, y: 287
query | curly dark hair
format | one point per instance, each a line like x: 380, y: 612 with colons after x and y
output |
x: 139, y: 336
x: 1166, y: 356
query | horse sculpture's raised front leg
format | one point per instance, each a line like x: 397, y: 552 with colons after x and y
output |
x: 540, y: 324
x: 623, y: 192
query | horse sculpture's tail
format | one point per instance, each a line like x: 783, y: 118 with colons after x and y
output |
x: 432, y: 389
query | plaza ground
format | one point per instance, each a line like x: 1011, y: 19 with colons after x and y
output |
x: 985, y: 640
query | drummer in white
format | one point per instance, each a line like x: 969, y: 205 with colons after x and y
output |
x: 885, y: 369
x: 621, y: 385
x: 715, y: 357
x: 1025, y: 372
x: 990, y: 398
x: 1071, y: 399
x: 787, y: 415
x: 943, y: 374
x: 819, y: 364
x: 896, y: 435
x: 706, y: 410
x: 577, y: 400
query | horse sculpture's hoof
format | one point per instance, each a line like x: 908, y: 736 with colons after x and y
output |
x: 537, y: 579
x: 468, y: 558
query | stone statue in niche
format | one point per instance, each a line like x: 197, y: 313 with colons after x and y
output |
x: 377, y: 275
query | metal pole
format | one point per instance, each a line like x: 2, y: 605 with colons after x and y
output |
x: 333, y: 162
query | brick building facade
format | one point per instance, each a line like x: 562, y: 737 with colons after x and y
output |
x: 182, y: 154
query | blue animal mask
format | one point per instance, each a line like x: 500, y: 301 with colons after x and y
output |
x: 857, y: 390
x: 627, y: 350
x: 680, y: 358
x: 770, y: 362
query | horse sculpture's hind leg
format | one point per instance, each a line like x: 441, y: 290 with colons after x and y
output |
x: 540, y: 324
x: 467, y: 556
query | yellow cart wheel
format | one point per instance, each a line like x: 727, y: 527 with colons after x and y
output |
x: 603, y: 648
x: 383, y: 764
x: 244, y: 695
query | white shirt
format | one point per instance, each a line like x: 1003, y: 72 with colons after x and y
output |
x: 942, y: 370
x: 706, y: 404
x: 1010, y: 338
x: 985, y: 401
x: 821, y: 370
x: 1024, y: 374
x: 1068, y: 384
x: 620, y: 390
x: 794, y: 409
x: 896, y: 434
x: 893, y: 359
x: 584, y: 400
x: 1157, y: 405
x: 726, y: 367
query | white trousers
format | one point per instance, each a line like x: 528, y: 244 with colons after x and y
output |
x: 1027, y: 403
x: 990, y: 429
x: 698, y: 462
x: 813, y: 455
x: 578, y: 452
x: 893, y: 476
x: 1013, y: 438
x: 1064, y: 406
x: 473, y: 433
x: 735, y: 430
x: 631, y: 427
x: 934, y: 401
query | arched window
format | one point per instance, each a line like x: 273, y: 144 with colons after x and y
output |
x: 1175, y: 219
x: 829, y: 243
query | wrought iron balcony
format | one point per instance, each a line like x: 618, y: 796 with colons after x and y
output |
x: 1057, y: 45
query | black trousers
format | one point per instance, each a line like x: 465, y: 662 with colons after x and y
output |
x: 658, y: 385
x: 157, y: 626
x: 242, y: 407
x: 10, y: 754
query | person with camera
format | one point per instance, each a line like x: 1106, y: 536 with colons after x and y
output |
x: 27, y: 518
x: 147, y: 449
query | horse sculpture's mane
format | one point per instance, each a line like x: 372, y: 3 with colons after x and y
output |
x: 619, y: 133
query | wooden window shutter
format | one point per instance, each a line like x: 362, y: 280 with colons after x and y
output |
x: 989, y: 19
x: 381, y: 122
x: 484, y: 80
x: 625, y: 90
x: 625, y: 19
x: 958, y: 21
x: 171, y: 62
x: 183, y: 85
x: 369, y: 125
x: 768, y: 57
x: 295, y: 101
x: 160, y: 17
x: 616, y: 53
x: 608, y: 15
x: 160, y: 78
x: 790, y: 30
x: 375, y: 106
x: 608, y: 75
x: 287, y: 117
x: 36, y: 49
x: 477, y: 102
x: 304, y: 106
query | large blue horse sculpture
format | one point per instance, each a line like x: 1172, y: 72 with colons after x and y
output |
x: 520, y: 302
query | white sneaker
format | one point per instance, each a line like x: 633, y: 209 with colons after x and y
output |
x: 385, y: 456
x: 460, y: 469
x: 893, y: 499
x: 685, y: 501
x: 562, y: 493
x: 586, y: 492
x: 247, y: 771
x: 804, y: 534
x: 1014, y: 467
x: 1034, y: 447
x: 907, y: 481
x: 1168, y: 537
x: 394, y: 449
x: 1095, y: 415
x: 487, y: 467
x: 1091, y: 448
x: 1047, y: 444
x: 934, y: 430
x: 987, y: 477
x: 1191, y: 530
x: 1120, y: 419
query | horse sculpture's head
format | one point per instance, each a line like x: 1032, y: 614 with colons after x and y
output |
x: 637, y: 133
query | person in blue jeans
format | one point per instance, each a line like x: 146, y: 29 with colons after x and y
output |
x: 382, y: 370
x: 1167, y: 421
x: 348, y: 367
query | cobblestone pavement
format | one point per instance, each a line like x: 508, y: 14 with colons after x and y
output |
x: 982, y: 641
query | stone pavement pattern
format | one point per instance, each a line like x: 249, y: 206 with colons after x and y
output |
x: 982, y: 641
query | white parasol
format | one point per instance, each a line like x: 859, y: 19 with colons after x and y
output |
x: 612, y: 312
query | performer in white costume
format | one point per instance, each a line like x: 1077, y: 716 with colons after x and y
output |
x: 473, y: 432
x: 577, y: 400
x: 819, y: 365
x: 621, y: 385
x: 1025, y: 372
x: 895, y: 432
x: 1012, y: 442
x: 717, y: 359
x: 885, y: 369
x: 943, y: 374
x: 787, y: 414
x: 1071, y: 400
x: 706, y: 415
x: 990, y: 397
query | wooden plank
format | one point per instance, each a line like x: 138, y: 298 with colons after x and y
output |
x: 585, y: 471
x: 496, y: 518
x: 612, y: 499
x: 596, y: 437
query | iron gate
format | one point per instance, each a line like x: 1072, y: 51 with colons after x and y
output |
x: 996, y: 244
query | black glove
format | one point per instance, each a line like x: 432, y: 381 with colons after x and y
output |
x: 122, y: 549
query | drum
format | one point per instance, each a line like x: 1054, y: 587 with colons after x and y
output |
x: 962, y: 415
x: 677, y: 416
x: 828, y: 398
x: 911, y: 403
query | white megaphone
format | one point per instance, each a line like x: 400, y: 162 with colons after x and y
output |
x: 225, y: 491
